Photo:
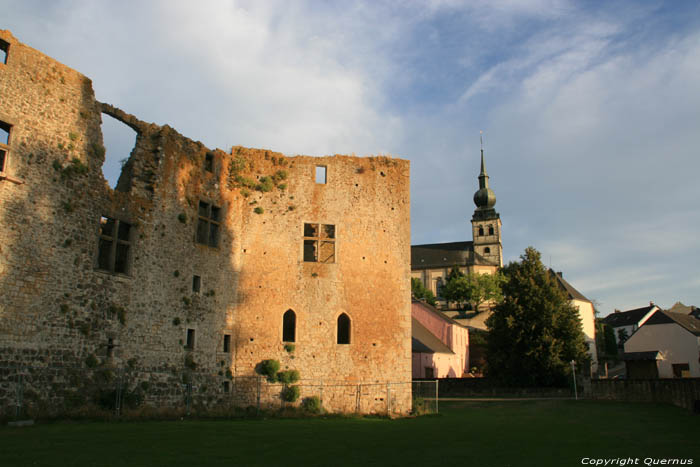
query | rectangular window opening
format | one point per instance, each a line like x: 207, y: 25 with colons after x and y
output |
x: 5, y: 132
x: 227, y: 343
x: 227, y: 387
x: 321, y: 174
x: 209, y: 162
x: 196, y: 284
x: 114, y: 245
x: 319, y: 243
x: 3, y: 158
x: 208, y: 224
x: 4, y: 51
x: 190, y: 339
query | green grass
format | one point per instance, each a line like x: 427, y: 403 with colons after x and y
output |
x: 523, y: 433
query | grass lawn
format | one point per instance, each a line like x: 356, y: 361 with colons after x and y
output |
x: 517, y: 433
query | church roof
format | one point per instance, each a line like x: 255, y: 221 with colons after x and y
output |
x: 568, y: 288
x: 424, y: 341
x: 442, y: 255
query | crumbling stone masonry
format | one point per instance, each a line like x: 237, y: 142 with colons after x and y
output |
x: 184, y: 274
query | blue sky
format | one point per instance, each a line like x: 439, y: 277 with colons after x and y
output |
x: 590, y: 110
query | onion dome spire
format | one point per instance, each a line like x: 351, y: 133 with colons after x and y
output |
x: 484, y: 198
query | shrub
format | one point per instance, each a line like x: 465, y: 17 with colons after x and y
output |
x: 182, y: 217
x: 290, y: 393
x: 189, y: 362
x: 289, y: 347
x: 288, y: 377
x: 266, y: 184
x: 311, y: 404
x: 91, y: 361
x: 258, y: 210
x: 176, y: 321
x: 269, y: 368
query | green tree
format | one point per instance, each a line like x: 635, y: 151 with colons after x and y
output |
x: 419, y: 291
x: 534, y: 332
x: 474, y: 289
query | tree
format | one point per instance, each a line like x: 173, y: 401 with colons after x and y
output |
x: 534, y: 333
x: 419, y: 291
x: 474, y: 289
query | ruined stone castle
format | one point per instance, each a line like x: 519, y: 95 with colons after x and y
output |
x: 197, y: 267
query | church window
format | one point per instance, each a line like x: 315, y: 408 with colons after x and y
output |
x: 208, y: 224
x: 481, y: 231
x: 490, y: 230
x: 289, y: 326
x: 343, y: 329
x: 487, y: 250
x: 319, y: 243
x: 114, y: 244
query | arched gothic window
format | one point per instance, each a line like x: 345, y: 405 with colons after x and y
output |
x: 289, y: 326
x: 343, y: 329
x: 490, y: 230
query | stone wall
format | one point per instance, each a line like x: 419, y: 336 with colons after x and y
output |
x: 60, y: 309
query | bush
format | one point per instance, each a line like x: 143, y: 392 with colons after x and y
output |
x: 288, y: 377
x: 258, y: 210
x: 269, y: 368
x: 311, y: 404
x: 290, y: 393
x: 266, y: 184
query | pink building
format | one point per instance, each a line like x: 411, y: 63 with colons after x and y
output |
x: 440, y: 345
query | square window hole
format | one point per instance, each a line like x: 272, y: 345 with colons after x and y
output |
x: 321, y: 174
x: 196, y: 284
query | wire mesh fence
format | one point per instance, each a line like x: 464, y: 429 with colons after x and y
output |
x: 425, y: 397
x: 54, y: 392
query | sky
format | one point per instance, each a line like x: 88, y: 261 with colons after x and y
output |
x: 590, y: 111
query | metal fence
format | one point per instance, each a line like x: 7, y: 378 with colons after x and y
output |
x: 46, y: 392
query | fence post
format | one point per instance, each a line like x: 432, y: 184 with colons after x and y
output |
x: 388, y: 398
x: 118, y: 393
x: 19, y: 393
x: 436, y: 397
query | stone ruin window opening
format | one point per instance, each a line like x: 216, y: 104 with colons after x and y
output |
x: 208, y: 224
x: 319, y: 243
x: 209, y: 162
x: 189, y: 343
x: 227, y: 387
x: 196, y: 284
x: 4, y: 144
x: 321, y: 171
x: 114, y: 245
x: 119, y: 140
x: 487, y: 250
x: 4, y: 51
x: 343, y: 329
x: 227, y: 343
x: 289, y: 326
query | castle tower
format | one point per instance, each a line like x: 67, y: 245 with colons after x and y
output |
x: 486, y: 222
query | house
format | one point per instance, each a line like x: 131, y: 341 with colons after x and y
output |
x: 586, y: 313
x: 625, y: 323
x: 199, y: 265
x: 666, y: 345
x: 440, y: 345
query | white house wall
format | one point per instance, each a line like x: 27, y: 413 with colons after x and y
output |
x: 675, y: 344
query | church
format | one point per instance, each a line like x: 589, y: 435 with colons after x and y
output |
x: 431, y: 263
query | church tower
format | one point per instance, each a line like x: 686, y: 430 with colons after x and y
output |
x: 486, y: 222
